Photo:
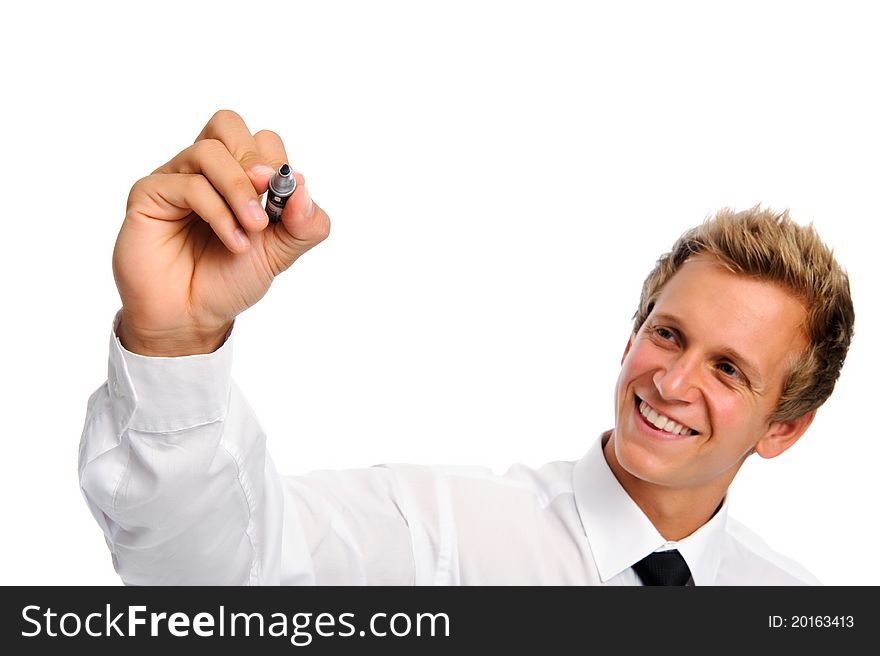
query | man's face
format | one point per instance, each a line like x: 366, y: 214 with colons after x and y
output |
x: 711, y: 359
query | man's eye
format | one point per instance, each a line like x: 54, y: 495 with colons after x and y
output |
x: 664, y: 333
x: 728, y: 370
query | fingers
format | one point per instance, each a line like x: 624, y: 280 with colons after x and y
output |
x: 228, y: 155
x: 234, y: 167
x: 212, y: 159
x: 298, y: 209
x: 229, y: 128
x: 175, y: 196
x: 306, y: 224
x: 304, y: 219
x: 272, y: 148
x: 303, y: 225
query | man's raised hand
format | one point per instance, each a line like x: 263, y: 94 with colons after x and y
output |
x: 196, y: 248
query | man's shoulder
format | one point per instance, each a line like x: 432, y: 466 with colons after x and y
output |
x: 748, y: 560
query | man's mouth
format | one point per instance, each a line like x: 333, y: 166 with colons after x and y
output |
x: 661, y: 422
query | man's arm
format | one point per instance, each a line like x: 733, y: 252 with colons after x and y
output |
x: 174, y: 467
x: 173, y: 463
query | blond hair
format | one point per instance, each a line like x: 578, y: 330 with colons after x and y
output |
x: 771, y: 247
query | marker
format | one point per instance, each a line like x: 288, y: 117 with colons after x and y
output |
x: 282, y: 184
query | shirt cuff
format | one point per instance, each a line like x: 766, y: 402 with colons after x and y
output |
x: 160, y: 395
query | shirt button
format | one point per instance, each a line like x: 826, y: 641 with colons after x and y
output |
x: 117, y: 389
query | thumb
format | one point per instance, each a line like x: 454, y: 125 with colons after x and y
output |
x: 303, y: 225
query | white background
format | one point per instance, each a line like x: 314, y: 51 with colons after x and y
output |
x: 500, y: 177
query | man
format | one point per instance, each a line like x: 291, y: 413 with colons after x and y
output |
x: 739, y: 337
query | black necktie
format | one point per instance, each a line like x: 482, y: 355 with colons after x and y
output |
x: 663, y: 568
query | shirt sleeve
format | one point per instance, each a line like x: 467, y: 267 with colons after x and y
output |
x: 174, y: 468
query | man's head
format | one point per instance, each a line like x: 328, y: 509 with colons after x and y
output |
x: 770, y: 247
x: 740, y: 335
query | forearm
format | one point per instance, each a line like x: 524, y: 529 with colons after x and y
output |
x: 174, y: 467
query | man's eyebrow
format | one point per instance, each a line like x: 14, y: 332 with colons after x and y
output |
x: 750, y: 369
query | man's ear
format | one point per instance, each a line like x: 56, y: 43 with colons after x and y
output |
x: 781, y: 435
x: 629, y: 344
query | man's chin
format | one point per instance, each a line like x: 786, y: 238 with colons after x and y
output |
x: 637, y: 458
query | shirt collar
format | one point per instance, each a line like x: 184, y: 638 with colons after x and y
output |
x: 620, y: 534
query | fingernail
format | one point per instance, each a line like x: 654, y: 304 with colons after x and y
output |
x: 261, y: 170
x: 256, y: 211
x: 241, y: 237
x: 308, y: 205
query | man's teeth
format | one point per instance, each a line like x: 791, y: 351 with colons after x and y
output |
x: 663, y: 423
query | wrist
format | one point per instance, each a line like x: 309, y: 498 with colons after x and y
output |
x: 170, y: 343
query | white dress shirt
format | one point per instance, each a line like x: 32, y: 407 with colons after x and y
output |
x: 174, y: 467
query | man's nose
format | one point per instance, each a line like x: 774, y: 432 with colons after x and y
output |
x: 679, y: 380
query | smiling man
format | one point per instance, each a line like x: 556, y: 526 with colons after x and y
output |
x: 739, y: 337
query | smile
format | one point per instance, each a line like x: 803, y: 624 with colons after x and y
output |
x: 662, y: 422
